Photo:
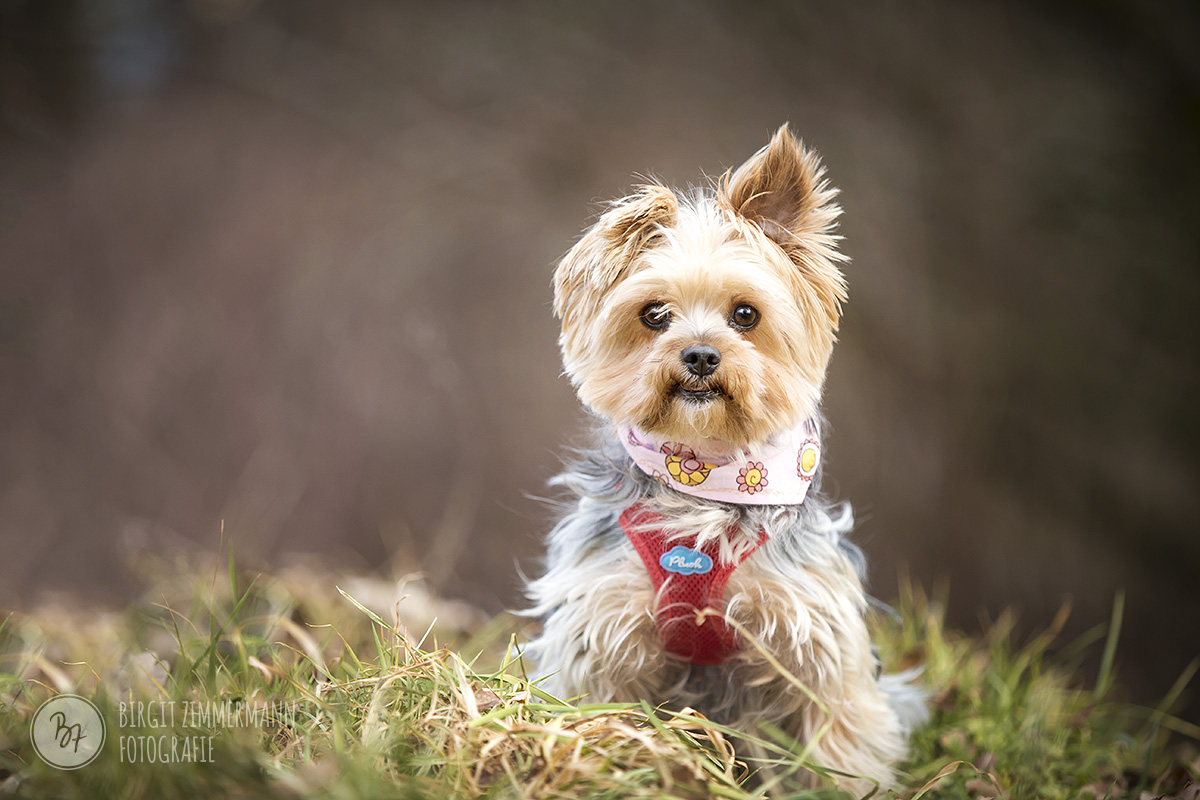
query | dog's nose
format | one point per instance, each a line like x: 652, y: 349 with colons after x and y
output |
x: 701, y: 359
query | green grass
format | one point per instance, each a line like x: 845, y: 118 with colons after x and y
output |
x: 1024, y: 725
x: 350, y: 704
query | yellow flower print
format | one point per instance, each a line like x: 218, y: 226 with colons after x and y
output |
x: 807, y: 460
x: 683, y: 465
x: 752, y: 478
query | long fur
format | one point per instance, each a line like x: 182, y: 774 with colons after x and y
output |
x: 801, y: 595
x: 763, y: 235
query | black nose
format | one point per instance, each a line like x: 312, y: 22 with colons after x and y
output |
x: 701, y: 359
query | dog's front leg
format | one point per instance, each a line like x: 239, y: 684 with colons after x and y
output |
x: 599, y: 640
x: 814, y: 629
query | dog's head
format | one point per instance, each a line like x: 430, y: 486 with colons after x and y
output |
x: 710, y: 316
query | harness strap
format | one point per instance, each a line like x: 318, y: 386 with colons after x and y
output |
x: 686, y: 581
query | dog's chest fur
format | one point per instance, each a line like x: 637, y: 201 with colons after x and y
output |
x: 806, y: 664
x: 799, y: 596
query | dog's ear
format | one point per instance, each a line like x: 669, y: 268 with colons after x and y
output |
x: 601, y: 258
x: 782, y: 190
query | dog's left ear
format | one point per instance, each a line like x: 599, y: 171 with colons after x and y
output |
x: 782, y: 190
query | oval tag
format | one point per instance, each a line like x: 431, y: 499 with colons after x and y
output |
x: 685, y: 561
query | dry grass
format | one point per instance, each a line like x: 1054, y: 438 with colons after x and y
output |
x: 356, y: 706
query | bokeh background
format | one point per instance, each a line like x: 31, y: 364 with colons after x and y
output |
x: 282, y: 268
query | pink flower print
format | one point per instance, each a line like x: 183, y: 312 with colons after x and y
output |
x: 633, y: 439
x: 752, y: 478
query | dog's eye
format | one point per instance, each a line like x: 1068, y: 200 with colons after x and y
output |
x: 744, y: 317
x: 655, y: 316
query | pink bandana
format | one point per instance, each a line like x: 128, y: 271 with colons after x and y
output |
x: 778, y: 474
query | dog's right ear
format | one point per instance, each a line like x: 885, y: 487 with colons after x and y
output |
x: 601, y: 258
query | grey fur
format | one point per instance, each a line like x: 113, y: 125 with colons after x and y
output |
x: 811, y: 536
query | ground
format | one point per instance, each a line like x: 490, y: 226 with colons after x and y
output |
x: 309, y: 684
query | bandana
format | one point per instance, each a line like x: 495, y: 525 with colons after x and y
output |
x: 779, y: 473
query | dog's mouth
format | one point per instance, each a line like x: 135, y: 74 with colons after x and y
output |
x: 705, y: 393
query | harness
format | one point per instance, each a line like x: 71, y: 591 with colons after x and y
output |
x: 686, y: 581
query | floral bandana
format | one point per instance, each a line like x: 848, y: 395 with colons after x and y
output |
x: 779, y: 473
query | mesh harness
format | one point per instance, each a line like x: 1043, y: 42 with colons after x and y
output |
x: 687, y: 580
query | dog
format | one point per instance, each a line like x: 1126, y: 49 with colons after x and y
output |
x: 698, y: 563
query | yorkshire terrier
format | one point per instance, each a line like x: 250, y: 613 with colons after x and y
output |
x: 699, y: 564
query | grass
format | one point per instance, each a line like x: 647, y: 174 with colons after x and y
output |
x: 339, y: 695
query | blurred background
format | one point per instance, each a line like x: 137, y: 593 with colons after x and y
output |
x: 283, y: 268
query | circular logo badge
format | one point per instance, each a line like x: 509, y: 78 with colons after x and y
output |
x: 67, y: 731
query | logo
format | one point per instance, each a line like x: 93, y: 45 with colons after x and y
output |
x: 67, y: 731
x: 685, y: 561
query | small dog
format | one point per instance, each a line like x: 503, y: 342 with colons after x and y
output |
x: 699, y: 327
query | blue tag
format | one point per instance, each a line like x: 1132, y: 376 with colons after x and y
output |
x: 685, y: 561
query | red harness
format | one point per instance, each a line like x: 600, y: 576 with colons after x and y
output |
x: 686, y: 581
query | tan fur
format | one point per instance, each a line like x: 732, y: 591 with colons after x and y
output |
x: 782, y: 190
x: 817, y: 631
x: 763, y: 236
